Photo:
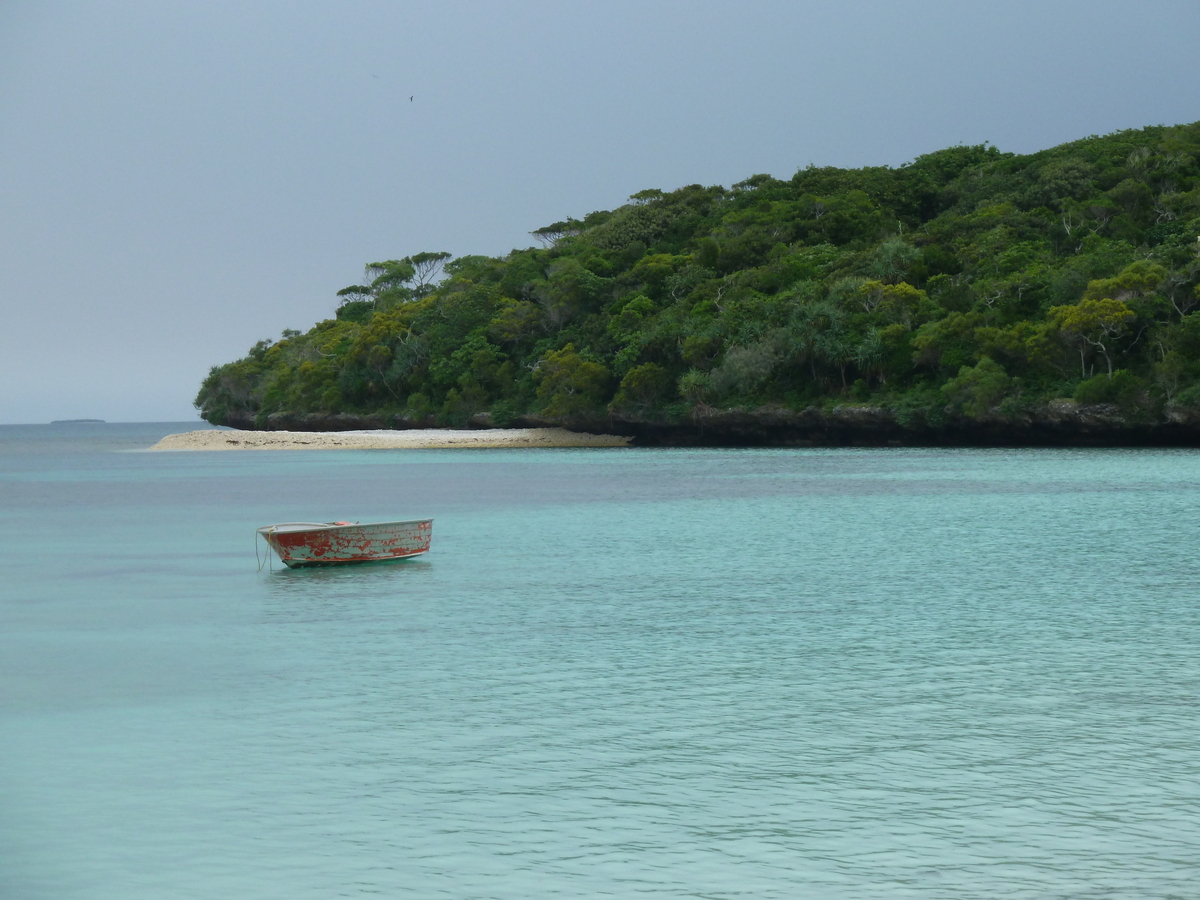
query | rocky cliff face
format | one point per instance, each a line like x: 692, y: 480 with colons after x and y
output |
x: 1060, y: 423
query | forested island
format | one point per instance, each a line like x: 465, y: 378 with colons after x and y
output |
x: 971, y: 296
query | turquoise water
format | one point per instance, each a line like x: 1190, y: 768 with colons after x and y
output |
x: 619, y: 673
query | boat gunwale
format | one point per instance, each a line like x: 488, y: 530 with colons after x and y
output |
x: 306, y: 527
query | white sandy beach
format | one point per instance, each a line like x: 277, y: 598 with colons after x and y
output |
x: 414, y: 439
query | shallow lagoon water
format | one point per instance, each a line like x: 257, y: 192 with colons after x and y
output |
x: 667, y: 673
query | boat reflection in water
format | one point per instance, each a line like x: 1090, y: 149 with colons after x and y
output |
x: 300, y: 544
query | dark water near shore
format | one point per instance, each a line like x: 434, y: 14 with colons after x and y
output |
x: 669, y: 673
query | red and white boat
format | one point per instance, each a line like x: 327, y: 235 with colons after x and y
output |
x: 301, y: 544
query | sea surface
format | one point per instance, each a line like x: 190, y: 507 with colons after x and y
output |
x: 618, y: 673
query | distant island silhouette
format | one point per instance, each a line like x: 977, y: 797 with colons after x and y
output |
x: 78, y: 422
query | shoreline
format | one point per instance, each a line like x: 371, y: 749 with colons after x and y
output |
x: 408, y: 439
x: 1061, y: 422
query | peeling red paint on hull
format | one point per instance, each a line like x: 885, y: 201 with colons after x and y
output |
x: 300, y: 544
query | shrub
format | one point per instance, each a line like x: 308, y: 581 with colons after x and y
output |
x: 1189, y: 397
x: 693, y: 385
x: 642, y: 386
x: 356, y: 311
x: 744, y: 368
x: 1123, y: 386
x: 920, y: 408
x: 978, y: 390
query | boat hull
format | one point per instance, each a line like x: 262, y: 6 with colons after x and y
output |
x: 300, y: 545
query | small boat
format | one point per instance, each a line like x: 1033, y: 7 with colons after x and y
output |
x: 301, y: 544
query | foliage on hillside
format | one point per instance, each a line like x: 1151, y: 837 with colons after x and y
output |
x: 969, y: 283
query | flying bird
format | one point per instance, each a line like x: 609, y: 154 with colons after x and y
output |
x: 410, y: 101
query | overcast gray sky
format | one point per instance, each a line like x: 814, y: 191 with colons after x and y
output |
x: 179, y: 180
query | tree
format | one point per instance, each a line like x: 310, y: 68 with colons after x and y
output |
x: 1092, y: 323
x: 568, y: 288
x: 568, y: 384
x: 550, y: 235
x: 893, y: 258
x: 894, y: 302
x: 400, y: 280
x: 1136, y: 280
x: 356, y: 293
x: 389, y: 282
x: 426, y: 267
x: 389, y: 274
x: 515, y: 321
x: 949, y: 342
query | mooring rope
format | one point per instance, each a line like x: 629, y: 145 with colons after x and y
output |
x: 267, y: 559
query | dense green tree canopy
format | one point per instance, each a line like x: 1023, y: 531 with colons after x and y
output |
x: 974, y: 282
